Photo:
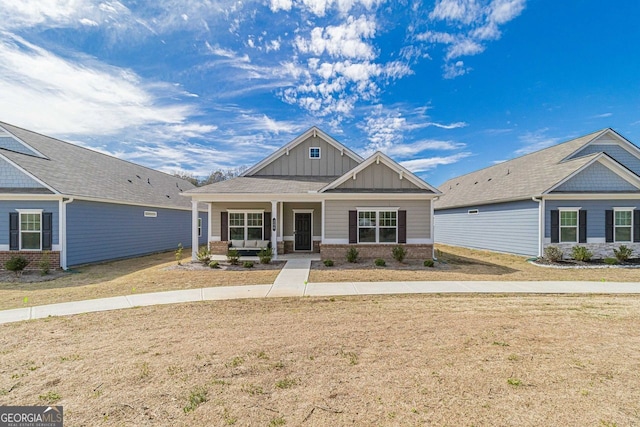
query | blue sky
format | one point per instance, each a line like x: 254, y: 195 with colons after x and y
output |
x: 444, y: 87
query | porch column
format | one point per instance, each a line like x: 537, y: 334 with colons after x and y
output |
x: 194, y: 230
x: 274, y: 228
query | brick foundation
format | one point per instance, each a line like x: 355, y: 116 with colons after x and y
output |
x: 599, y: 250
x: 219, y: 247
x: 34, y: 258
x: 339, y: 252
x: 281, y: 247
x: 288, y: 247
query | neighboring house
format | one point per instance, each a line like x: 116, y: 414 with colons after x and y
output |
x: 582, y: 192
x: 84, y: 206
x: 316, y: 195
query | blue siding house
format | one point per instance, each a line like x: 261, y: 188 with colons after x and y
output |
x: 582, y: 192
x: 81, y: 206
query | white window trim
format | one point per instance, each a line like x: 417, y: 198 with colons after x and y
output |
x: 319, y: 153
x: 623, y: 209
x: 577, y: 226
x: 245, y: 226
x: 199, y: 227
x: 29, y: 211
x: 377, y: 211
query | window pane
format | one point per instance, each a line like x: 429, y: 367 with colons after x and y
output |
x: 623, y: 234
x: 254, y: 219
x: 367, y: 235
x: 568, y: 234
x: 236, y: 233
x: 569, y: 218
x: 30, y: 240
x: 387, y: 219
x: 623, y: 218
x: 236, y: 219
x: 367, y: 219
x: 387, y: 235
x: 254, y: 233
x: 30, y: 222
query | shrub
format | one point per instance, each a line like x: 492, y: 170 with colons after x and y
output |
x: 179, y: 254
x: 214, y: 264
x: 553, y: 254
x: 611, y: 261
x: 352, y: 254
x: 623, y: 253
x: 45, y: 263
x: 399, y: 253
x: 581, y: 253
x: 265, y: 255
x: 380, y: 262
x: 233, y: 256
x: 328, y: 263
x: 16, y: 264
x: 247, y: 264
x: 204, y: 255
x: 428, y: 263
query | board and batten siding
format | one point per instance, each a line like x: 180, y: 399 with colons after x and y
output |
x: 503, y: 227
x: 617, y: 152
x: 105, y: 231
x: 596, y: 178
x: 377, y: 177
x: 7, y: 206
x: 297, y: 163
x: 595, y: 213
x: 216, y: 208
x: 337, y: 216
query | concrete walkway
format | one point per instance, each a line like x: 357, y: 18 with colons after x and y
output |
x: 292, y: 282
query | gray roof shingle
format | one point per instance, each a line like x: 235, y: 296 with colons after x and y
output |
x: 266, y: 185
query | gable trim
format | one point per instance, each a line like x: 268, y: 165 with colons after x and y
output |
x: 623, y: 142
x: 30, y: 175
x: 378, y: 157
x: 312, y: 132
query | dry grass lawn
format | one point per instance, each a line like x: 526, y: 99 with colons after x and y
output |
x: 136, y: 275
x: 386, y: 361
x: 464, y: 264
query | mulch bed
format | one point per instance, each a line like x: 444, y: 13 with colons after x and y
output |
x: 30, y: 276
x: 594, y: 263
x: 224, y: 265
x: 368, y: 264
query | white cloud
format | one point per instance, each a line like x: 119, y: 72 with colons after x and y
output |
x: 451, y: 71
x: 602, y: 116
x: 423, y: 165
x: 277, y: 5
x: 342, y: 41
x: 414, y: 148
x: 465, y: 11
x: 536, y: 140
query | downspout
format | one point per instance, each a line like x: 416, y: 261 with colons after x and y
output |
x: 63, y: 233
x: 433, y: 236
x: 540, y: 202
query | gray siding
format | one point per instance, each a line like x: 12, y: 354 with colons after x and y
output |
x: 104, y: 231
x: 287, y: 219
x: 596, y: 178
x: 298, y: 163
x: 505, y: 227
x: 7, y: 206
x: 595, y: 213
x: 378, y: 177
x: 615, y: 151
x: 337, y: 216
x: 216, y: 208
x: 10, y: 177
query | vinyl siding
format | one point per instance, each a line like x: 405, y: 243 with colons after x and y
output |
x: 7, y: 206
x: 615, y: 151
x: 104, y: 231
x: 298, y: 163
x: 287, y: 219
x: 378, y: 177
x: 596, y: 178
x: 216, y: 208
x: 504, y: 227
x: 418, y: 216
x: 10, y: 177
x: 10, y: 143
x: 595, y: 213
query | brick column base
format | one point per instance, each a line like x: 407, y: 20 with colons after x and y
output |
x: 219, y: 247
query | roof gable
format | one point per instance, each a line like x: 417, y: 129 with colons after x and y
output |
x: 379, y: 173
x: 607, y: 137
x: 600, y: 175
x: 11, y: 177
x: 10, y: 142
x: 293, y: 159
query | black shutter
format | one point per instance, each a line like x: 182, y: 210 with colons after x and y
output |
x: 224, y: 226
x: 267, y: 225
x: 582, y: 226
x: 402, y: 226
x: 555, y: 226
x: 47, y: 231
x: 14, y: 231
x: 636, y: 226
x: 608, y: 225
x: 353, y: 226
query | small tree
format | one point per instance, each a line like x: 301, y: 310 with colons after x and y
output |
x: 233, y: 256
x: 16, y: 264
x: 265, y: 255
x: 352, y: 254
x: 179, y: 254
x: 399, y: 253
x: 45, y: 263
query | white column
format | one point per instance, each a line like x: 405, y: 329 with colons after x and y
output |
x: 194, y: 230
x: 62, y: 233
x: 274, y: 230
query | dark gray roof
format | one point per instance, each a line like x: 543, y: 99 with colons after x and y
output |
x: 266, y: 185
x: 76, y: 171
x: 520, y: 178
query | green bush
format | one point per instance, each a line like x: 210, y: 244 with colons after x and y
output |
x: 623, y: 253
x: 399, y: 253
x: 214, y: 264
x: 611, y: 261
x: 428, y: 263
x: 352, y: 254
x: 553, y: 254
x: 45, y: 263
x: 380, y: 262
x: 16, y: 264
x: 233, y: 256
x: 328, y: 263
x: 265, y: 255
x: 581, y: 253
x: 204, y: 255
x: 247, y: 264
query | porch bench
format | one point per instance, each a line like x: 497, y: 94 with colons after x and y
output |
x: 249, y: 247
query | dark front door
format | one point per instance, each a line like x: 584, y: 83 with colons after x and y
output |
x: 302, y: 232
